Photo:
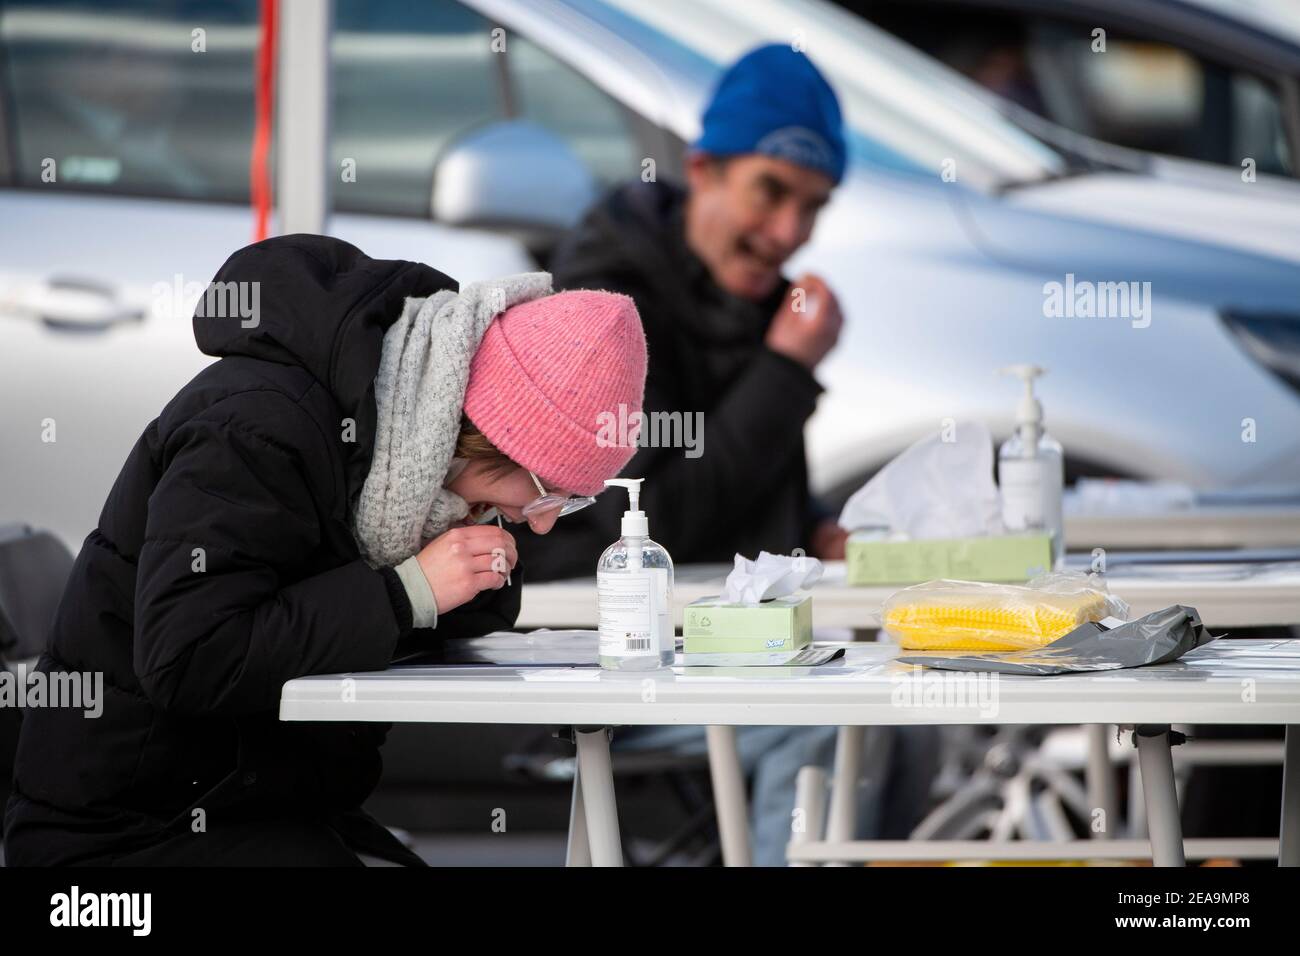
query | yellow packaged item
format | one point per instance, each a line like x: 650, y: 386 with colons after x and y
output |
x: 976, y: 616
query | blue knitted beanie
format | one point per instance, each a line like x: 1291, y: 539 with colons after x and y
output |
x: 774, y: 102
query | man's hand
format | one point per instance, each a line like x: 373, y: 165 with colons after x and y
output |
x: 806, y: 336
x: 465, y: 560
x: 828, y: 540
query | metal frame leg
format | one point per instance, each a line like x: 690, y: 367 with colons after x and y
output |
x: 578, y: 852
x: 1288, y: 846
x: 1153, y: 745
x: 842, y: 819
x: 596, y: 777
x: 1137, y: 809
x: 810, y: 802
x: 1103, y: 787
x: 729, y: 795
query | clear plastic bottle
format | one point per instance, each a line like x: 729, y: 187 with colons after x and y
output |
x: 634, y: 587
x: 1031, y: 471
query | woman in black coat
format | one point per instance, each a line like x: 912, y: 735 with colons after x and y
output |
x: 308, y: 504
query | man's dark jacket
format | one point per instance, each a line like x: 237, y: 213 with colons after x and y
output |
x: 748, y: 490
x: 223, y: 566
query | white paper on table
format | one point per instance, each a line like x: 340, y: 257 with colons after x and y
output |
x: 563, y: 675
x: 804, y: 657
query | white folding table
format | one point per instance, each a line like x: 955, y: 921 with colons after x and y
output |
x: 1225, y: 682
x: 1201, y: 526
x: 1226, y: 593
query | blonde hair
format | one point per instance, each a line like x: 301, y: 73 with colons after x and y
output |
x: 473, y: 445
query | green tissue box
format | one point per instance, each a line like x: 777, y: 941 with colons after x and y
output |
x: 1007, y: 558
x: 781, y: 624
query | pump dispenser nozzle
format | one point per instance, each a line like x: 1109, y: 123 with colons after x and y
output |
x: 1031, y: 470
x: 635, y: 524
x: 1029, y: 413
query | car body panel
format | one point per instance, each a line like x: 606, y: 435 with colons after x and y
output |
x: 101, y: 388
x: 1258, y: 216
x: 929, y: 320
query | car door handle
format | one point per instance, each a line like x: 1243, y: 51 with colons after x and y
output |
x: 79, y: 304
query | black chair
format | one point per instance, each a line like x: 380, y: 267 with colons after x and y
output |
x: 34, y: 568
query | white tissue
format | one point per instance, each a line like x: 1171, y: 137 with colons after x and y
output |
x: 934, y: 489
x: 769, y: 576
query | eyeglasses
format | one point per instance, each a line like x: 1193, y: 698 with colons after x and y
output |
x: 548, y: 501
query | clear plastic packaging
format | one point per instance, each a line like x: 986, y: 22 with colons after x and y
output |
x: 976, y: 616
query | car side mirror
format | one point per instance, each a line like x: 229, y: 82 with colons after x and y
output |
x: 513, y: 176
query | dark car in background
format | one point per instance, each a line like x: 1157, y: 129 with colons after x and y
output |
x: 1216, y: 81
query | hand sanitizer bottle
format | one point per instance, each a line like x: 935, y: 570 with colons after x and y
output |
x: 1031, y: 470
x: 634, y: 590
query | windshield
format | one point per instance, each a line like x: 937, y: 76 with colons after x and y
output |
x: 906, y: 110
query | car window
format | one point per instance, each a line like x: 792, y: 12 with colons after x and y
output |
x: 1259, y: 127
x: 123, y: 96
x: 1157, y: 97
x: 557, y: 97
x: 1140, y: 93
x: 407, y: 78
x: 410, y: 78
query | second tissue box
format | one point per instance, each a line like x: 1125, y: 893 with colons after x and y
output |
x: 712, y: 626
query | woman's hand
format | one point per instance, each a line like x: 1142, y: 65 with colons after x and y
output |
x: 465, y: 560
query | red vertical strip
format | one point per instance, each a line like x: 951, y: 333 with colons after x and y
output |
x: 259, y: 173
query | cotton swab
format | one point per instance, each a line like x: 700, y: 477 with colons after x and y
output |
x: 503, y: 528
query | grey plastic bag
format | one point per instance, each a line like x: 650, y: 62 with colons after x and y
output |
x: 1161, y: 636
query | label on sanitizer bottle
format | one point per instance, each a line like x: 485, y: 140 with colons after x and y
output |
x: 1024, y: 494
x: 633, y: 605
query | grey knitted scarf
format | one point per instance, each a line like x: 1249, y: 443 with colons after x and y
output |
x: 419, y: 396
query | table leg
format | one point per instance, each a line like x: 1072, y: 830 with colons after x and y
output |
x: 729, y: 796
x: 1103, y: 787
x: 841, y: 824
x: 1288, y: 846
x: 597, y: 779
x: 1137, y: 808
x: 1157, y: 764
x: 578, y: 852
x: 810, y: 802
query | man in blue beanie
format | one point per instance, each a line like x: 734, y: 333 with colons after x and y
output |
x: 730, y: 337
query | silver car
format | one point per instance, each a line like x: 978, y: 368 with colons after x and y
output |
x: 951, y: 244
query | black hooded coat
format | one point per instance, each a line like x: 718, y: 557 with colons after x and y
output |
x: 223, y: 566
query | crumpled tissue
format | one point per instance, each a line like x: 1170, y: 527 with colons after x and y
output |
x: 769, y: 576
x: 937, y: 488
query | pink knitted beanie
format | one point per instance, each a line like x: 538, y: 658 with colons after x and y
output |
x: 548, y: 373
